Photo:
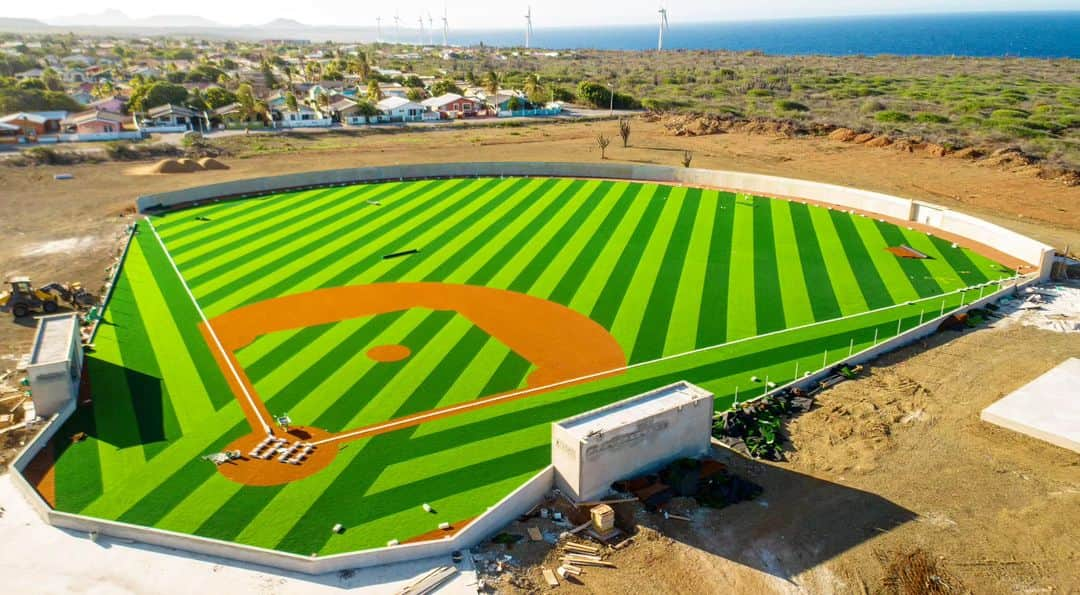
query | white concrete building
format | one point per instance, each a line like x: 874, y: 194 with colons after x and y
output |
x: 634, y: 436
x: 55, y: 363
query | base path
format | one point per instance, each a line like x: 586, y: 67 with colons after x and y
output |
x: 564, y: 346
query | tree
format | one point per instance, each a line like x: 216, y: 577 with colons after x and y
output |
x: 687, y: 158
x: 246, y: 98
x: 217, y: 97
x: 268, y: 74
x: 52, y: 80
x: 374, y: 93
x: 160, y: 93
x: 533, y: 90
x: 514, y: 104
x: 598, y: 95
x: 367, y: 109
x: 415, y: 94
x: 602, y: 142
x: 196, y: 100
x: 103, y: 89
x: 445, y: 86
x: 624, y: 131
x: 291, y: 103
x: 492, y: 83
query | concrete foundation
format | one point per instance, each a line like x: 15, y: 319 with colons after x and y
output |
x: 1047, y: 408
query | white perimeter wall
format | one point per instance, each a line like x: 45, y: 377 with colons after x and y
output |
x: 522, y: 499
x: 1021, y: 247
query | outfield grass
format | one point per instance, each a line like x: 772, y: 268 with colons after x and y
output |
x: 666, y: 270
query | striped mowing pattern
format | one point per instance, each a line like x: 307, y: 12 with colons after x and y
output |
x: 666, y: 270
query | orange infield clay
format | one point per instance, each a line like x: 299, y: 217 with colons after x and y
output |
x: 389, y: 353
x: 563, y: 345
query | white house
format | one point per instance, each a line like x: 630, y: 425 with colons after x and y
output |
x: 399, y: 109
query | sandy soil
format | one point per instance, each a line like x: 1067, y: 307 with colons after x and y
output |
x: 895, y: 461
x: 890, y: 463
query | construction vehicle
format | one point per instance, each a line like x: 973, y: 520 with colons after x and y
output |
x: 23, y: 299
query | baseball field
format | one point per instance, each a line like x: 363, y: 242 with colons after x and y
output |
x: 421, y: 336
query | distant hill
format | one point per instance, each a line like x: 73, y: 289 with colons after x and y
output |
x: 115, y: 18
x: 9, y: 24
x: 285, y: 24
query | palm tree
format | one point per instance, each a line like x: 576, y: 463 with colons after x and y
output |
x: 374, y: 93
x: 532, y: 87
x: 491, y: 85
x: 291, y: 103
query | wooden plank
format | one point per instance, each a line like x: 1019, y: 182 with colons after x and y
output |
x: 535, y: 534
x: 581, y: 547
x: 549, y: 576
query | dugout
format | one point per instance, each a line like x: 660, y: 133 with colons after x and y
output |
x: 55, y: 363
x: 633, y: 436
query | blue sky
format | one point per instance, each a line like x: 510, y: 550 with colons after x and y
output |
x: 549, y: 13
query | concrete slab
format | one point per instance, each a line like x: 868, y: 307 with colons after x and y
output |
x: 43, y: 559
x: 1048, y: 408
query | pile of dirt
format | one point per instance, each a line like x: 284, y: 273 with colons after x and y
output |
x: 209, y: 163
x: 707, y: 124
x: 879, y: 141
x: 935, y: 150
x: 844, y: 135
x: 174, y: 166
x: 863, y: 138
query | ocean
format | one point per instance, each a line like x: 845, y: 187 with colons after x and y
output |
x: 1030, y: 34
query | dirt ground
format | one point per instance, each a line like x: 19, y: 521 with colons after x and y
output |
x: 890, y: 463
x: 895, y: 461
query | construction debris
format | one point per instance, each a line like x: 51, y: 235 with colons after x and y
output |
x: 535, y: 534
x: 550, y: 578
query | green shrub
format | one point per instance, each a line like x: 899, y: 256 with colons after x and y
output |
x: 892, y: 116
x: 759, y: 93
x: 787, y: 105
x: 928, y: 118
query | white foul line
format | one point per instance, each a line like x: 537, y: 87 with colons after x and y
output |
x: 515, y: 394
x: 210, y: 329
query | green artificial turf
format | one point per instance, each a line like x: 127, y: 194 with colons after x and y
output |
x: 666, y: 270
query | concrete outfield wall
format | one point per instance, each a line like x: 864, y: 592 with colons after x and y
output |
x: 31, y: 450
x: 905, y: 338
x: 998, y: 237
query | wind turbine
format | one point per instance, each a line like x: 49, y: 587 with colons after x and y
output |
x: 397, y: 28
x: 430, y: 29
x: 378, y: 29
x: 663, y: 28
x: 445, y: 28
x: 421, y: 19
x: 528, y: 28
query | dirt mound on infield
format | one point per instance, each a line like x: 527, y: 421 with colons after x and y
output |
x: 209, y: 163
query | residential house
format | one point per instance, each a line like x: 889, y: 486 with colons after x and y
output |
x: 83, y: 97
x: 399, y: 109
x: 33, y: 73
x: 9, y: 134
x: 302, y: 117
x: 452, y: 105
x: 171, y: 118
x: 34, y: 124
x: 115, y: 104
x: 98, y: 122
